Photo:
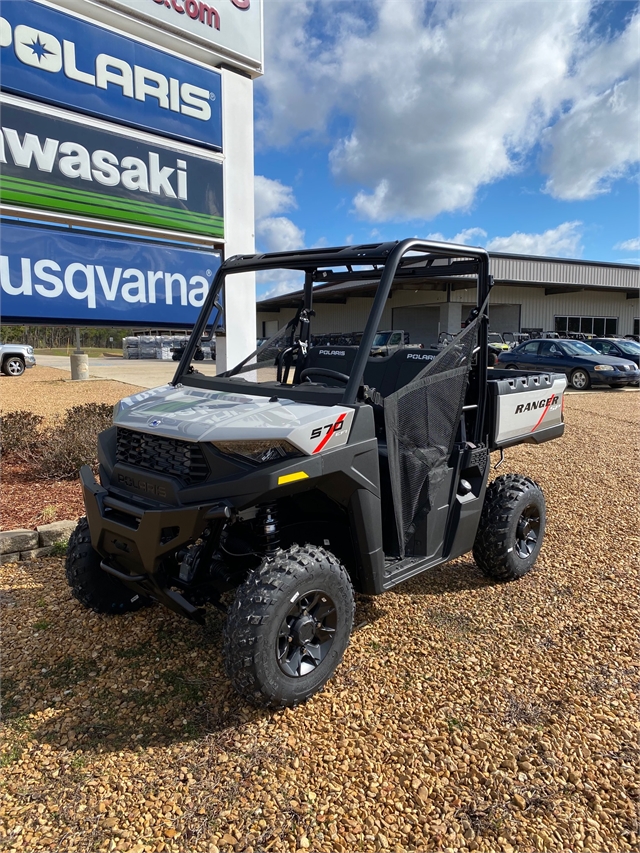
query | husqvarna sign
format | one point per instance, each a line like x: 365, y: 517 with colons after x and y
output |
x: 54, y: 57
x: 51, y: 275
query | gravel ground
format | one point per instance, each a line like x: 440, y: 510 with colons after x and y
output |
x: 49, y: 392
x: 465, y: 716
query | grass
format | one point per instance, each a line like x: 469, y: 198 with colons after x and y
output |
x: 92, y: 352
x: 59, y: 549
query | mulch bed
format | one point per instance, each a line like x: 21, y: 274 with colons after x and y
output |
x: 27, y: 502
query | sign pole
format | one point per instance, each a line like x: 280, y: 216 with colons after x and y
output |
x: 79, y: 361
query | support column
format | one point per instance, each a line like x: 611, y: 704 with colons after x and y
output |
x: 450, y: 317
x: 240, y: 291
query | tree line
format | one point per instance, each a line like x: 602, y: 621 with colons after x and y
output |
x: 55, y: 337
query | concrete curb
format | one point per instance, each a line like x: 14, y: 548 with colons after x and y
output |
x: 17, y: 546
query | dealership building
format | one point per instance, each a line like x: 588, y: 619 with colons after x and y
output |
x: 530, y: 294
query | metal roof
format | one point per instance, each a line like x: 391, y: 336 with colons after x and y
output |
x: 556, y: 275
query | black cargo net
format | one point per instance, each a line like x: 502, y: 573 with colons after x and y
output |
x: 421, y: 421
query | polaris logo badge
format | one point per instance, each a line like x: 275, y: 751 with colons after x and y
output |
x: 142, y: 485
x: 417, y: 357
x: 537, y: 404
x: 331, y: 352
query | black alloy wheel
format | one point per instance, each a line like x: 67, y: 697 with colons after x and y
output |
x: 306, y: 633
x: 527, y: 531
x: 288, y: 627
x: 511, y: 527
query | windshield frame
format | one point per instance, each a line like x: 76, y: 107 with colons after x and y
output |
x: 388, y: 262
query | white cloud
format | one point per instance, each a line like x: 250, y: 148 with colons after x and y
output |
x: 632, y: 245
x: 275, y: 233
x: 584, y: 159
x: 441, y: 99
x: 560, y: 242
x: 467, y: 237
x: 272, y: 197
x: 278, y: 282
x: 279, y: 234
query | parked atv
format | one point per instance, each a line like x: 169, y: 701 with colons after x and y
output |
x: 345, y: 472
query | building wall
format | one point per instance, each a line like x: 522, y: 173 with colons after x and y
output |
x: 537, y: 310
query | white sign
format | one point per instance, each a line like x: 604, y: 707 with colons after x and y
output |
x: 231, y: 26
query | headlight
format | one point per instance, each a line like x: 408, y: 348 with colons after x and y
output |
x: 30, y: 350
x: 604, y: 367
x: 270, y: 450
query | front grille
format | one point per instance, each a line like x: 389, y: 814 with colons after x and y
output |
x: 181, y: 459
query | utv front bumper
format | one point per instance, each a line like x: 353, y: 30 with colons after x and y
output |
x: 136, y: 536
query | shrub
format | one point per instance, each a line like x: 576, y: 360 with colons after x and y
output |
x: 71, y: 442
x: 20, y: 434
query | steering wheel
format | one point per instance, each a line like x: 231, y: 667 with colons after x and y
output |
x: 321, y: 371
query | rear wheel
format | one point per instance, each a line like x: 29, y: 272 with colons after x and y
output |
x: 13, y: 366
x: 512, y: 367
x: 511, y: 527
x: 288, y: 627
x: 580, y: 380
x: 92, y: 586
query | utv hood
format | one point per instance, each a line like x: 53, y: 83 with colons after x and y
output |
x: 191, y: 414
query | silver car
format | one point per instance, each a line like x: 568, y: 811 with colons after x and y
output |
x: 15, y: 358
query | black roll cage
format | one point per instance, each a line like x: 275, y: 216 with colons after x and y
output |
x: 390, y: 262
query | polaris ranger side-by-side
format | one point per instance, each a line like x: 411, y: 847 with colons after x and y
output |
x: 335, y: 472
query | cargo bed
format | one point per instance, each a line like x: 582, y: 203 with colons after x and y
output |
x: 524, y: 406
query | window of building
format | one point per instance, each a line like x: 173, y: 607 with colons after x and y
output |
x: 598, y: 326
x: 636, y: 325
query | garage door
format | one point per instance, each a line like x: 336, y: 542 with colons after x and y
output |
x: 504, y: 318
x: 421, y: 323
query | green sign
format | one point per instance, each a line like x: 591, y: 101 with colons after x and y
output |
x: 54, y: 163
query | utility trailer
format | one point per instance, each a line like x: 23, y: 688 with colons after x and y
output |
x: 274, y: 498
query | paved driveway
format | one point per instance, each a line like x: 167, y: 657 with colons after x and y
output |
x: 147, y: 373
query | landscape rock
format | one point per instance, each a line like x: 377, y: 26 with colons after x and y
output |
x: 57, y: 531
x: 12, y: 541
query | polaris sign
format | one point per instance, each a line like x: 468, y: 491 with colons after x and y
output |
x: 55, y: 57
x: 53, y: 276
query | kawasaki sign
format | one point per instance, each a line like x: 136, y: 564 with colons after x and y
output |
x: 55, y: 57
x: 52, y: 162
x: 49, y: 275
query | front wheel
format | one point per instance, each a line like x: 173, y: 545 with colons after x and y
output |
x: 13, y: 366
x: 288, y: 627
x: 580, y: 380
x: 92, y: 586
x: 511, y: 528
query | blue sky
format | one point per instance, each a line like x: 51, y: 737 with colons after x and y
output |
x: 511, y: 124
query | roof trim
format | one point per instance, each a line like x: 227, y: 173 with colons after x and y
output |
x: 573, y: 261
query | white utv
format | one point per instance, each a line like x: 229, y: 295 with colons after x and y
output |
x: 335, y: 472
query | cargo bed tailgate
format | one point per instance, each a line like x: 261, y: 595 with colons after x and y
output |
x: 524, y: 407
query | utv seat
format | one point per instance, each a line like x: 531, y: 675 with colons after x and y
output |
x: 386, y: 374
x: 330, y: 357
x: 392, y: 372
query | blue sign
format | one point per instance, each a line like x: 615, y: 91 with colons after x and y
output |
x: 58, y: 58
x: 54, y: 276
